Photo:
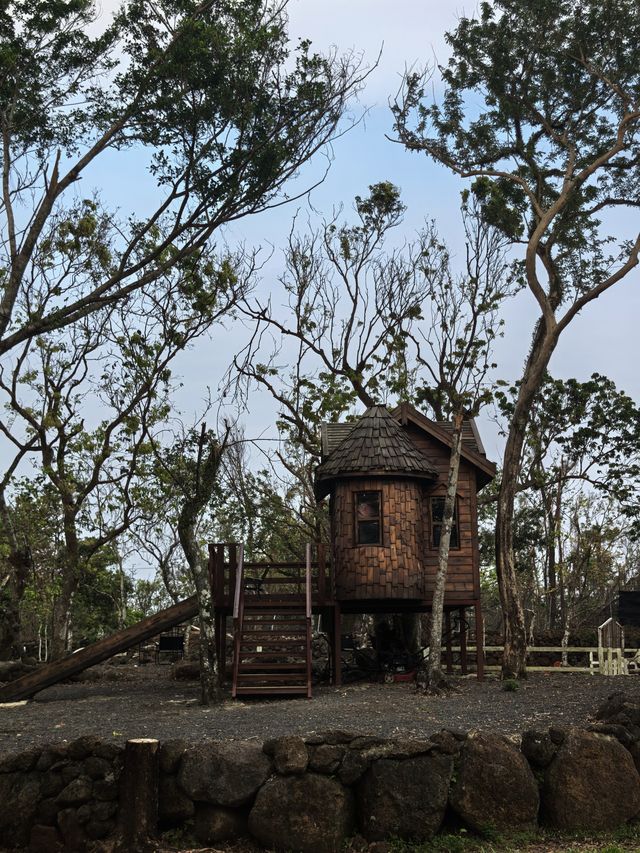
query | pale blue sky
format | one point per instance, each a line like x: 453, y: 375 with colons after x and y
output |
x: 604, y: 339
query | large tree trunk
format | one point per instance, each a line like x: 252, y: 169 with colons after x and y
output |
x: 434, y: 670
x: 61, y: 617
x: 195, y: 500
x: 14, y: 574
x: 515, y: 640
x: 12, y: 587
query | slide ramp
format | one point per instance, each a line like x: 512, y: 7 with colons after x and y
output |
x: 30, y: 684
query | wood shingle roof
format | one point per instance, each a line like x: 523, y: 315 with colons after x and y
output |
x: 375, y: 444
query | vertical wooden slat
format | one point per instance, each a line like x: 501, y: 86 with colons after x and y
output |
x: 479, y: 643
x: 322, y: 579
x: 447, y: 627
x: 463, y: 641
x: 337, y: 645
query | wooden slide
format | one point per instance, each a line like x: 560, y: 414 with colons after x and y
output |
x: 30, y: 684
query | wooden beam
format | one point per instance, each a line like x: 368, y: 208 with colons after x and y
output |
x: 52, y: 673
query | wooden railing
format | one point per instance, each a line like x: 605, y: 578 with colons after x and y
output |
x: 267, y: 577
x: 238, y: 613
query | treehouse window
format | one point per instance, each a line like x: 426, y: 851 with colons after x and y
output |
x: 437, y: 514
x: 368, y: 512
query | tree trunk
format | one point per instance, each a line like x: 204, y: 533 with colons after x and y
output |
x: 195, y: 501
x: 515, y: 640
x: 12, y: 587
x: 13, y: 582
x: 61, y: 619
x: 434, y: 669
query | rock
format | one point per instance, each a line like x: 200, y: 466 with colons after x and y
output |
x: 19, y: 795
x: 51, y: 784
x: 96, y: 768
x: 309, y: 814
x: 290, y: 755
x: 354, y: 766
x: 326, y: 758
x: 620, y: 733
x: 406, y: 799
x: 224, y: 774
x: 70, y: 770
x: 76, y: 792
x: 446, y: 742
x: 592, y: 783
x: 538, y: 748
x: 44, y: 839
x: 83, y: 747
x: 214, y: 824
x: 173, y: 804
x: 105, y: 789
x: 108, y: 751
x: 47, y: 811
x: 171, y: 752
x: 612, y: 706
x: 50, y: 755
x: 103, y: 811
x: 495, y: 787
x: 20, y: 761
x: 98, y: 829
x: 73, y: 834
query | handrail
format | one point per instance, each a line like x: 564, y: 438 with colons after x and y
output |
x: 239, y: 582
x: 308, y: 580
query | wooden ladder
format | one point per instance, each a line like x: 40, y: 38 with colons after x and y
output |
x: 272, y: 633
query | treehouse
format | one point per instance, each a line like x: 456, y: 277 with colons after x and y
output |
x: 385, y: 477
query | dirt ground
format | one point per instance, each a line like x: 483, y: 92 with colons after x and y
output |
x: 145, y: 701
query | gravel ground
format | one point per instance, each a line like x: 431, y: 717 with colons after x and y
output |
x: 146, y: 702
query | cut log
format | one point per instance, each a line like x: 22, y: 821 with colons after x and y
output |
x: 139, y: 794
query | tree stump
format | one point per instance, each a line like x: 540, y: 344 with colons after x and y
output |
x: 139, y: 794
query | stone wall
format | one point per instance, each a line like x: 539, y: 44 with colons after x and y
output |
x: 310, y: 794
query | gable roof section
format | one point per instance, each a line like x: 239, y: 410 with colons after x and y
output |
x: 472, y: 449
x: 376, y: 444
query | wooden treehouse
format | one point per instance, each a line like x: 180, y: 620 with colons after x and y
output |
x: 385, y: 477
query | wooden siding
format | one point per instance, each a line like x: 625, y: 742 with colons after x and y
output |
x: 461, y: 573
x: 393, y: 569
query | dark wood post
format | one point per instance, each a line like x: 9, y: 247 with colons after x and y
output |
x: 322, y: 577
x: 233, y: 571
x: 479, y: 643
x: 139, y: 794
x: 463, y: 641
x: 337, y: 645
x: 447, y: 628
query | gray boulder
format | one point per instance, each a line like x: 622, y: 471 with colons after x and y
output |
x: 290, y: 755
x: 224, y: 774
x: 592, y: 783
x: 19, y: 795
x: 495, y: 787
x: 406, y: 799
x: 214, y: 824
x: 309, y: 814
x: 173, y: 804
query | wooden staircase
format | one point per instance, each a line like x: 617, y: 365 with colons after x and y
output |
x: 272, y: 632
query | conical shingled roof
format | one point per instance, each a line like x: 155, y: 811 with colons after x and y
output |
x: 376, y: 445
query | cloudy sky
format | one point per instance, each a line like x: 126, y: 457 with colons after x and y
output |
x: 408, y: 32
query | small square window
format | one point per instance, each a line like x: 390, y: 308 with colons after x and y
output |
x: 437, y: 514
x: 368, y: 513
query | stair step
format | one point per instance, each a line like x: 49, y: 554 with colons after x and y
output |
x: 269, y: 676
x: 285, y: 642
x: 274, y: 690
x: 272, y: 667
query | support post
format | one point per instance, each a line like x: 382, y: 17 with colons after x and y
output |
x: 447, y: 627
x: 479, y: 643
x: 463, y: 641
x: 139, y: 794
x: 337, y: 645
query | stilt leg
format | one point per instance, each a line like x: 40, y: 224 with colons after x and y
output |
x: 447, y: 626
x: 479, y: 643
x: 337, y: 645
x: 463, y: 641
